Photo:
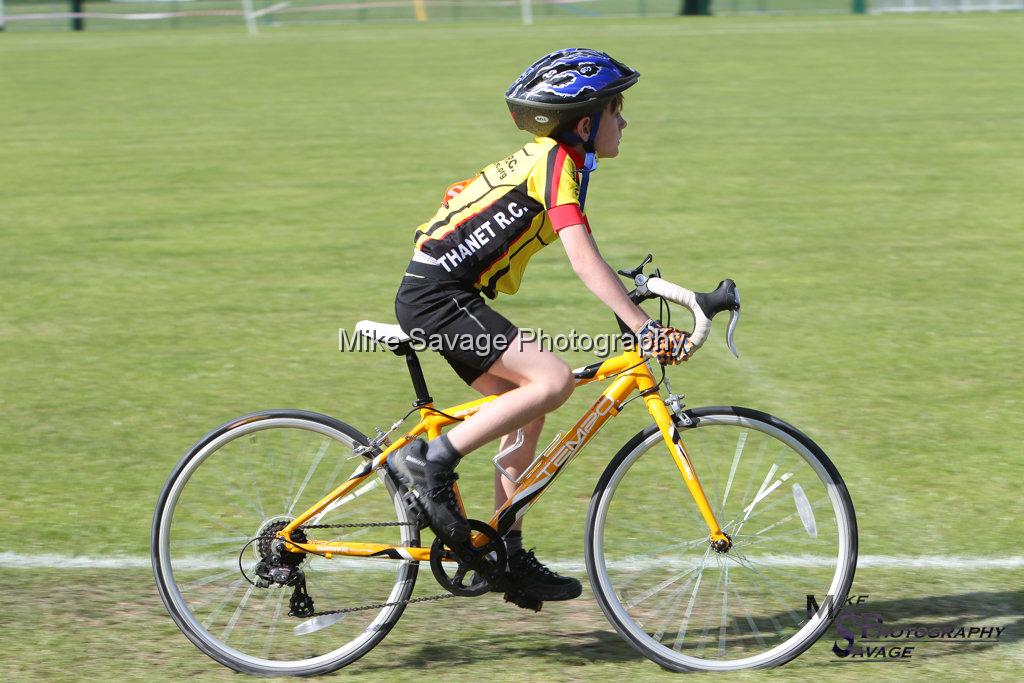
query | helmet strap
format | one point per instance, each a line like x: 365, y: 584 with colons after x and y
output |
x: 590, y: 161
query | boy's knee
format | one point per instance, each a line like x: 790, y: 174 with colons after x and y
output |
x: 560, y: 385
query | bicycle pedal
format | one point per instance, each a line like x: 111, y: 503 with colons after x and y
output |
x: 521, y: 599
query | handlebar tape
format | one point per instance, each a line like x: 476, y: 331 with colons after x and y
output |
x: 683, y: 297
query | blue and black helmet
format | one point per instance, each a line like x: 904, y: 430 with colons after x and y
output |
x: 565, y: 86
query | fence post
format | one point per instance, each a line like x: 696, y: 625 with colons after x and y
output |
x: 696, y: 8
x: 77, y: 22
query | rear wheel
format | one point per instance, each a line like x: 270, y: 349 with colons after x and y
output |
x: 246, y: 479
x: 666, y: 589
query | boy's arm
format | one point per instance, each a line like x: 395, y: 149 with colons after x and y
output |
x: 598, y: 276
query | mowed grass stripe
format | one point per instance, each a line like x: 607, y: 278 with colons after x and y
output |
x: 10, y: 560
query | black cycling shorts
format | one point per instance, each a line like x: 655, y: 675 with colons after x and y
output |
x: 452, y: 318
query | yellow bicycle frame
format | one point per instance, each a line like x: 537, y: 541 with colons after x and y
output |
x: 630, y: 371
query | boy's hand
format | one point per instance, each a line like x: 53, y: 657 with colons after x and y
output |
x: 667, y: 345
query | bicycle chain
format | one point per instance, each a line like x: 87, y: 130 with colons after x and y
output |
x: 382, y: 605
x: 354, y: 524
x: 376, y: 605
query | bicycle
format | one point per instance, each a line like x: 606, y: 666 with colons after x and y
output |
x: 237, y: 555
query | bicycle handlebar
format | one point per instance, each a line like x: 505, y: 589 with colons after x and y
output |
x: 704, y: 306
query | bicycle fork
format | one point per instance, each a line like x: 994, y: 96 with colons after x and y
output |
x: 720, y: 541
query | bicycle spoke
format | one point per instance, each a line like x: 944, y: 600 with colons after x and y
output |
x: 672, y: 607
x: 227, y: 594
x: 786, y: 568
x: 681, y: 633
x: 185, y: 587
x: 761, y: 511
x: 703, y: 642
x: 798, y: 533
x: 200, y: 542
x: 360, y: 491
x: 766, y: 489
x: 273, y: 625
x: 821, y: 502
x: 309, y: 474
x: 646, y: 595
x: 331, y: 481
x: 749, y: 618
x: 741, y: 441
x: 256, y: 500
x: 773, y: 525
x: 772, y: 588
x: 293, y: 470
x: 725, y: 610
x: 233, y: 621
x: 256, y: 444
x: 658, y: 551
x: 759, y: 458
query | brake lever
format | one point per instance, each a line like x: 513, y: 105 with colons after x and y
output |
x: 734, y: 319
x: 726, y: 297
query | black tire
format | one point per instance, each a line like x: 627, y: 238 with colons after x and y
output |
x: 260, y: 612
x: 768, y: 626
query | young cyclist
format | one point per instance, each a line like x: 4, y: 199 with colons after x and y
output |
x: 478, y: 243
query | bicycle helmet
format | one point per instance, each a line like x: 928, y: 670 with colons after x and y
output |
x: 564, y: 86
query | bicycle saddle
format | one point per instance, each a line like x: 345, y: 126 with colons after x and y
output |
x: 391, y: 335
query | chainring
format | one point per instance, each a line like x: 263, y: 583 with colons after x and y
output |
x: 483, y: 566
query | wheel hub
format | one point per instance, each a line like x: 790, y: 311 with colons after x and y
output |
x: 722, y: 544
x: 270, y: 546
x: 276, y: 565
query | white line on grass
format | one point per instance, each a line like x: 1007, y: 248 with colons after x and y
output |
x: 10, y: 560
x: 355, y: 34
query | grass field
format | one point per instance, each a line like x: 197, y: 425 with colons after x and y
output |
x: 189, y: 217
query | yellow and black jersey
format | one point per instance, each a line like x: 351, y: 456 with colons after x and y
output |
x: 490, y: 225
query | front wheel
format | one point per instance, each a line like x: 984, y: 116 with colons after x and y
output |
x: 246, y: 480
x: 668, y: 592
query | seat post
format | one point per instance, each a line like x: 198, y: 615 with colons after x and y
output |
x: 419, y: 383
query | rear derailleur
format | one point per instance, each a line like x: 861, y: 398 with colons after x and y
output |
x: 280, y: 567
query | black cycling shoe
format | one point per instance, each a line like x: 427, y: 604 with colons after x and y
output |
x: 531, y: 579
x: 431, y: 484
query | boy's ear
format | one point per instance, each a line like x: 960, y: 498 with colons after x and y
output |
x: 583, y: 127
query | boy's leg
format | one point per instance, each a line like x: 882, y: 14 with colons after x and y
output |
x: 542, y: 383
x: 518, y: 460
x: 532, y: 582
x: 515, y: 463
